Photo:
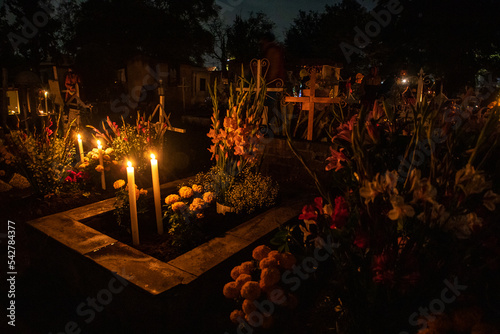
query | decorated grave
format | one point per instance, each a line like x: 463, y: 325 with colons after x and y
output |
x: 406, y: 202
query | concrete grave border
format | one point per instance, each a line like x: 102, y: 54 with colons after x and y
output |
x: 145, y: 272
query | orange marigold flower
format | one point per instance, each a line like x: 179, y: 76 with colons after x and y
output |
x: 235, y: 273
x: 260, y: 252
x: 186, y: 192
x: 250, y: 290
x: 266, y: 288
x: 270, y: 276
x: 274, y: 254
x: 179, y: 207
x: 171, y: 199
x: 247, y: 267
x: 237, y: 316
x: 268, y: 262
x: 243, y: 278
x: 287, y: 260
x: 248, y: 306
x: 208, y: 197
x: 231, y: 290
x: 197, y: 188
x: 118, y: 184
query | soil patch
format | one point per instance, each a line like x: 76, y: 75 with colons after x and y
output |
x: 162, y: 247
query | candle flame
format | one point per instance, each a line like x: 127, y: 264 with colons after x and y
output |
x: 129, y: 163
x: 79, y: 137
x: 98, y: 143
x: 152, y: 156
x: 46, y: 93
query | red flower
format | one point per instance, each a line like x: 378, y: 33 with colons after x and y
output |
x: 361, y: 240
x: 340, y: 213
x: 381, y: 270
x: 318, y: 203
x: 308, y: 213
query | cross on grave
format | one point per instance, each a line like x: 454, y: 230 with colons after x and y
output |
x: 259, y: 65
x: 183, y: 86
x: 309, y: 99
x: 163, y: 118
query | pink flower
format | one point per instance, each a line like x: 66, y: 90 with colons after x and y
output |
x: 344, y: 131
x: 335, y: 160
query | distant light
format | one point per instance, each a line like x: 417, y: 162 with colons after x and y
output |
x: 404, y: 80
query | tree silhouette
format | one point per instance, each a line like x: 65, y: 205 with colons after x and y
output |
x: 218, y: 29
x: 33, y: 33
x: 109, y: 33
x: 244, y: 34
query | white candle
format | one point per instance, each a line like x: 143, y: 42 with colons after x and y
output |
x: 80, y: 147
x: 156, y: 192
x: 103, y: 178
x: 133, y: 205
x: 46, y: 103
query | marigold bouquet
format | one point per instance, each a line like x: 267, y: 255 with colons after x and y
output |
x: 183, y: 211
x: 257, y: 288
x: 122, y: 202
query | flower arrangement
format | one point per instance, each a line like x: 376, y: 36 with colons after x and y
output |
x: 132, y: 142
x: 91, y: 166
x: 184, y: 210
x: 43, y: 158
x: 122, y: 204
x: 244, y: 193
x: 236, y: 139
x: 258, y: 282
x: 414, y: 203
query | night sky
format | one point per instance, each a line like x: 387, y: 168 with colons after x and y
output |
x: 281, y: 12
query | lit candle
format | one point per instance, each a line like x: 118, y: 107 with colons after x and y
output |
x: 103, y: 178
x: 80, y: 147
x: 156, y: 192
x: 133, y: 205
x: 46, y: 103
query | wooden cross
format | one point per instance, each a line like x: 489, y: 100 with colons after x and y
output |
x: 163, y: 118
x: 309, y: 99
x: 183, y: 86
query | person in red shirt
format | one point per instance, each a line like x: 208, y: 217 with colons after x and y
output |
x: 71, y: 82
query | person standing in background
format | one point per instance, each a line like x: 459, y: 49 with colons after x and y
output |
x: 370, y: 87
